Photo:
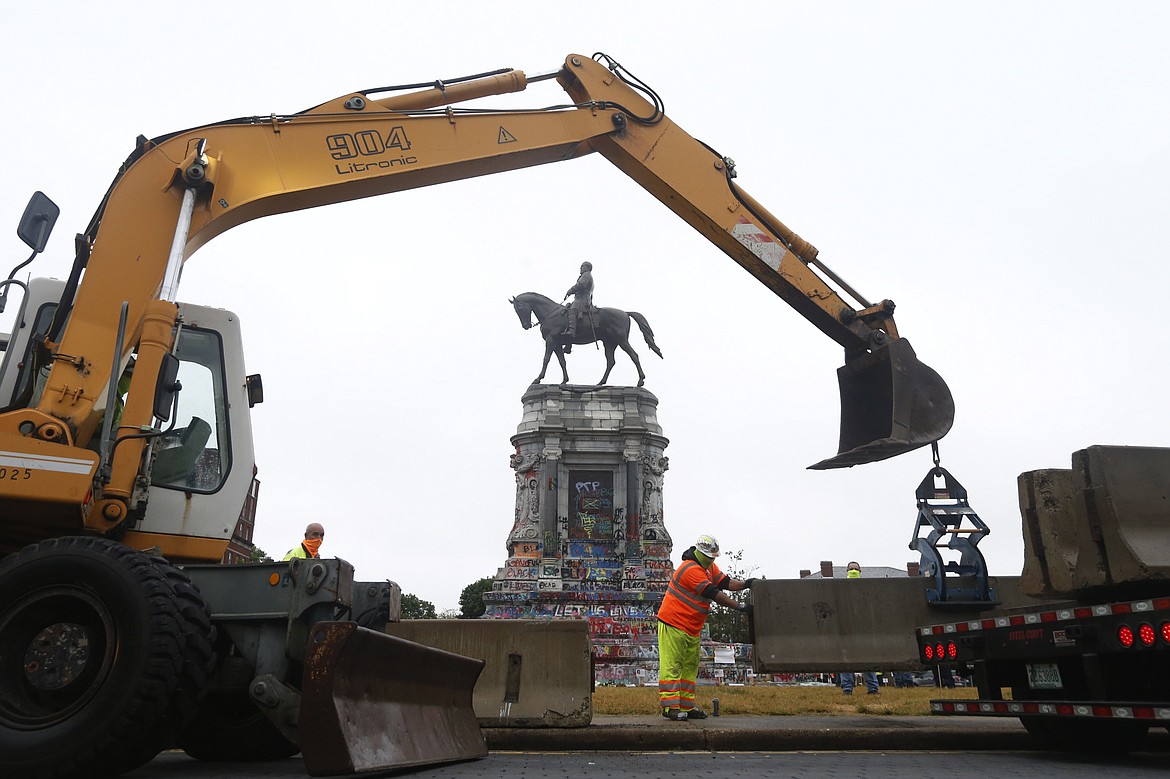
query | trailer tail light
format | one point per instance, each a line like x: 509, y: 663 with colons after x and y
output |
x: 940, y: 651
x: 1166, y: 632
x: 1146, y: 635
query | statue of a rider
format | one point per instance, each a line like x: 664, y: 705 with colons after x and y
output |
x: 579, y: 309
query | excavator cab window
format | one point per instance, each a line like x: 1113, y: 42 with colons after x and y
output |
x: 195, y: 456
x: 26, y: 363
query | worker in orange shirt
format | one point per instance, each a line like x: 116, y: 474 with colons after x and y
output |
x: 695, y: 585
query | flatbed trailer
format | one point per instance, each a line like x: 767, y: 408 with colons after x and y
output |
x: 1089, y: 677
x: 1089, y: 670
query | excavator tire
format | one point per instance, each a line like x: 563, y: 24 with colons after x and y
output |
x: 198, y: 648
x: 229, y: 728
x: 91, y: 654
x: 198, y: 665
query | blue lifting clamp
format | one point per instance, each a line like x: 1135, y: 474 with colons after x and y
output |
x: 949, y: 522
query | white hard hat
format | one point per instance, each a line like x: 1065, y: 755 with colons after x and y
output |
x: 707, y: 545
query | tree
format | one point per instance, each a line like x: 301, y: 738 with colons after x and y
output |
x: 260, y: 556
x: 471, y: 599
x: 414, y: 607
x: 731, y: 627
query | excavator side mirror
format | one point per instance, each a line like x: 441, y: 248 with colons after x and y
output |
x: 255, y: 389
x: 35, y: 225
x: 167, y: 387
x: 39, y: 217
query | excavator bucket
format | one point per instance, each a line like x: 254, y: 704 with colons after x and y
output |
x: 890, y: 403
x: 375, y: 702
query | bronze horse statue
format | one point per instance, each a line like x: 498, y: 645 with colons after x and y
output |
x: 611, y: 326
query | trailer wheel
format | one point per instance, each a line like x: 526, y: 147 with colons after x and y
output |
x: 229, y: 728
x: 90, y: 656
x: 1086, y: 736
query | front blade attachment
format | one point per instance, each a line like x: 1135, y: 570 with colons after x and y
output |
x: 375, y: 702
x: 891, y: 403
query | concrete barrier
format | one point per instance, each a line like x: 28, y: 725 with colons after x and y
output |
x: 1060, y: 552
x: 1127, y: 498
x: 537, y: 673
x: 1103, y: 522
x: 808, y: 625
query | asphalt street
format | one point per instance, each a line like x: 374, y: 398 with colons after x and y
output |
x: 647, y: 747
x: 724, y: 765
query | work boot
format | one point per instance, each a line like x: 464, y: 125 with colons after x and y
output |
x: 696, y: 714
x: 675, y: 715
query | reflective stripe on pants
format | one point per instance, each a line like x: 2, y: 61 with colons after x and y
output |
x: 678, y: 667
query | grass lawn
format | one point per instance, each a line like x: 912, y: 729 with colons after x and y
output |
x: 772, y: 700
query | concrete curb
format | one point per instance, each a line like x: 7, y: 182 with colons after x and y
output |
x: 779, y: 734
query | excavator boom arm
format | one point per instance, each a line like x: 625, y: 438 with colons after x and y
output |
x: 358, y: 146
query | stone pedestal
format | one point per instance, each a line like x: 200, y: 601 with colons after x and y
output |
x: 588, y: 539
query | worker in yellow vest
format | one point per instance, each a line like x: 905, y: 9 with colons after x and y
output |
x: 311, y: 546
x: 696, y: 583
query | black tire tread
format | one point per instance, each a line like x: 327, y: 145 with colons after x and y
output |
x: 198, y: 664
x: 100, y: 748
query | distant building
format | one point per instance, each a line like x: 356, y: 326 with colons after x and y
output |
x: 240, y: 546
x: 830, y: 571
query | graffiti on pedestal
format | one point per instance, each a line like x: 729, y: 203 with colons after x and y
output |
x: 523, y: 568
x: 602, y: 560
x: 658, y: 570
x: 585, y: 549
x: 591, y: 504
x: 656, y: 551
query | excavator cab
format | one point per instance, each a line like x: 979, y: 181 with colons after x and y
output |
x: 891, y: 403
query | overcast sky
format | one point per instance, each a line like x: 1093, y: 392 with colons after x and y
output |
x: 998, y: 169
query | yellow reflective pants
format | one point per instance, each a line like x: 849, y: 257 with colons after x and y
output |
x: 678, y: 667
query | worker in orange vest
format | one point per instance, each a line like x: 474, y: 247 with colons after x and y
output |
x: 696, y: 583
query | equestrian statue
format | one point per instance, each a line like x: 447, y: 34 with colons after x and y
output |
x: 582, y: 323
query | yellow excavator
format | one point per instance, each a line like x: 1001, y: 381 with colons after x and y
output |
x: 125, y: 445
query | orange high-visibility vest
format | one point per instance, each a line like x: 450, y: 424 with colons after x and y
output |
x: 684, y: 606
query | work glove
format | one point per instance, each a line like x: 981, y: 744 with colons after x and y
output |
x: 747, y: 583
x: 746, y: 608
